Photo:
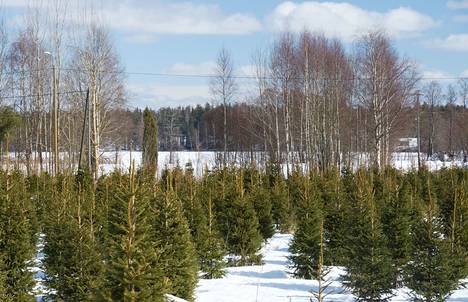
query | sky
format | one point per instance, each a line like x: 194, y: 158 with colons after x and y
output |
x: 184, y: 37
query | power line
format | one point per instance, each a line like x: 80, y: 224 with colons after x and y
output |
x: 193, y: 75
x: 40, y: 95
x: 208, y: 76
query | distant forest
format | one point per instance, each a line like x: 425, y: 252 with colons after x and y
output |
x: 200, y: 128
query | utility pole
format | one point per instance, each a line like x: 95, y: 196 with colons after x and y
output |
x: 55, y: 151
x: 55, y: 121
x: 83, y: 130
x: 418, y: 93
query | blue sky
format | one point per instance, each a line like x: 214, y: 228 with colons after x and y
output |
x: 183, y: 37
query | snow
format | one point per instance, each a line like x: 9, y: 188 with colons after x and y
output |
x: 201, y: 161
x: 40, y: 289
x: 171, y: 298
x: 271, y: 282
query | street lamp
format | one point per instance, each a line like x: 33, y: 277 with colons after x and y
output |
x: 55, y: 115
x: 418, y: 94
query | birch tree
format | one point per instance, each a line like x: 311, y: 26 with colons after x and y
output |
x: 384, y: 86
x: 95, y: 65
x: 223, y: 90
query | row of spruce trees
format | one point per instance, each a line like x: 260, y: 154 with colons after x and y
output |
x: 132, y: 237
x: 386, y: 229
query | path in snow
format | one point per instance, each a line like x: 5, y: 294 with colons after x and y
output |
x: 272, y: 283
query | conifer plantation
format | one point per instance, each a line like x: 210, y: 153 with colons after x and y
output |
x: 132, y: 237
x: 308, y: 158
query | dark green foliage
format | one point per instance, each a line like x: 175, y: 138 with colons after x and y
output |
x: 431, y: 273
x: 9, y: 119
x: 245, y: 239
x: 397, y: 219
x: 211, y: 253
x: 281, y: 205
x: 451, y: 189
x: 209, y: 245
x: 225, y: 192
x: 72, y: 259
x: 17, y: 240
x: 369, y: 272
x: 150, y: 142
x: 133, y: 264
x: 305, y: 246
x: 129, y: 237
x: 260, y: 198
x: 171, y: 230
x: 335, y: 212
x: 3, y: 286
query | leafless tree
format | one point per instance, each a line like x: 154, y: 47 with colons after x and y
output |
x: 95, y: 66
x: 463, y: 90
x: 451, y: 103
x: 223, y: 90
x: 432, y: 92
x: 384, y: 86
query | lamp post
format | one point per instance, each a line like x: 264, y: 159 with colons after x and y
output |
x: 55, y: 116
x: 418, y: 93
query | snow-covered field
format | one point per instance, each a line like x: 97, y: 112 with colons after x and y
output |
x: 272, y: 283
x: 200, y: 161
x: 203, y: 160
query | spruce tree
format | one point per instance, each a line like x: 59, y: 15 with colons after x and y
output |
x: 260, y: 198
x: 171, y: 230
x: 369, y: 273
x: 306, y: 244
x: 133, y: 267
x: 210, y: 246
x: 72, y: 261
x: 397, y: 220
x: 336, y: 209
x: 430, y: 274
x: 3, y: 290
x: 150, y: 143
x: 191, y: 195
x: 245, y: 239
x: 9, y: 119
x: 451, y: 191
x: 281, y: 205
x: 17, y: 243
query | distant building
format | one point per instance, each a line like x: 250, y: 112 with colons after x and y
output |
x: 407, y: 144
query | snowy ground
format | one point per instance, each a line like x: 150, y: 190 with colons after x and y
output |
x: 272, y: 283
x: 207, y: 160
x: 37, y: 268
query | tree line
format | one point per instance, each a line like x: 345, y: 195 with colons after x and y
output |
x: 200, y: 128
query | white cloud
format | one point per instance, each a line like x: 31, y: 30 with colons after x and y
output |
x: 455, y: 42
x: 204, y: 68
x: 157, y: 95
x: 177, y: 18
x: 345, y: 20
x: 461, y: 18
x: 437, y: 75
x: 464, y: 74
x: 154, y: 17
x: 161, y: 95
x: 458, y: 4
x: 20, y: 3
